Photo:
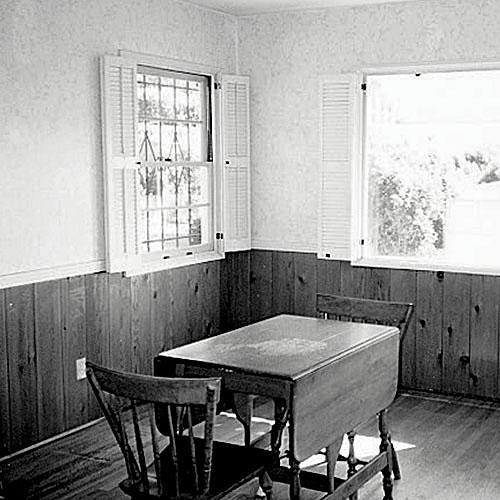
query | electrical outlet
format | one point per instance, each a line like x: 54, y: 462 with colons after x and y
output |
x: 80, y: 369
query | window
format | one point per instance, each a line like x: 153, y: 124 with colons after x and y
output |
x: 410, y: 169
x: 176, y: 174
x: 432, y: 168
x: 176, y: 187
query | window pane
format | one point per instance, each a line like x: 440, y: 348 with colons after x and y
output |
x: 433, y: 159
x: 181, y: 103
x: 194, y: 110
x: 167, y: 103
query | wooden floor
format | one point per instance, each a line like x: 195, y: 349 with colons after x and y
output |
x: 448, y: 450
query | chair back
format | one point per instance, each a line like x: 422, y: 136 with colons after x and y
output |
x: 125, y: 397
x: 365, y: 310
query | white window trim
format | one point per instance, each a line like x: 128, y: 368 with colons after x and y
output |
x: 157, y: 262
x: 359, y: 179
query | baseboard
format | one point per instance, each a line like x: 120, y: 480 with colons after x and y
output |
x: 49, y: 440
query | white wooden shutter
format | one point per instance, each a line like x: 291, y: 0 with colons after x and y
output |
x: 119, y: 102
x: 338, y: 96
x: 236, y: 160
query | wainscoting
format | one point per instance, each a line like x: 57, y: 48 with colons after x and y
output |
x: 452, y: 342
x: 451, y: 346
x: 120, y: 322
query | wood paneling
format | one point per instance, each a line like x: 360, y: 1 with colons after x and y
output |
x: 305, y: 284
x: 123, y: 322
x: 456, y: 333
x: 50, y: 373
x: 484, y: 332
x: 22, y: 366
x: 97, y: 322
x: 4, y: 382
x: 329, y: 277
x: 404, y: 289
x: 161, y: 317
x: 74, y: 343
x: 142, y: 352
x: 283, y: 279
x: 235, y: 290
x: 120, y: 316
x: 261, y: 285
x: 110, y: 319
x: 428, y: 346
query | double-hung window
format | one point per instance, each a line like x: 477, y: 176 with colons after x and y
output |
x: 422, y: 167
x: 177, y: 176
x: 176, y: 169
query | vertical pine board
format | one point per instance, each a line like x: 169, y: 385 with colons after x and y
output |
x: 4, y: 382
x: 194, y: 276
x: 329, y: 279
x: 484, y: 331
x: 428, y: 345
x: 50, y: 366
x: 305, y: 284
x: 404, y: 289
x: 203, y: 300
x: 352, y: 280
x: 225, y: 292
x: 210, y: 299
x: 161, y: 338
x: 261, y: 270
x: 142, y: 355
x: 74, y: 347
x: 283, y: 283
x: 378, y: 284
x: 240, y: 289
x: 178, y: 298
x: 22, y: 366
x: 97, y: 310
x: 456, y: 333
x: 120, y: 315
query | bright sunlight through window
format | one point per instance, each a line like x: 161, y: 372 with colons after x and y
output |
x: 432, y: 165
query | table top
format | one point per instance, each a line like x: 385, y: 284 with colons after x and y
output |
x: 285, y: 346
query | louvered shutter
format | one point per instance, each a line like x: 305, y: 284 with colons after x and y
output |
x: 338, y: 95
x: 236, y: 159
x: 119, y: 102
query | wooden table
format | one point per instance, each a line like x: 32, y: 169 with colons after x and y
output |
x: 325, y: 376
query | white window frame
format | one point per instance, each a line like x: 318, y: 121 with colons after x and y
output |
x: 359, y: 179
x: 156, y: 261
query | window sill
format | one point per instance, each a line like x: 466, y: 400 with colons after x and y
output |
x: 393, y: 263
x: 174, y: 262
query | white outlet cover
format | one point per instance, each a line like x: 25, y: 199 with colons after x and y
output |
x: 80, y: 369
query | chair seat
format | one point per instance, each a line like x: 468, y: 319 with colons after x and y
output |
x: 232, y: 466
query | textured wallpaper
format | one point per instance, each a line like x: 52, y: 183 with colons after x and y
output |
x: 285, y: 53
x: 51, y: 194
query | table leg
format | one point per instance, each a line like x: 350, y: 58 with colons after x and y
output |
x: 295, y: 478
x: 280, y: 418
x: 332, y: 452
x: 243, y: 409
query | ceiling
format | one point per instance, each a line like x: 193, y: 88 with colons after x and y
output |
x: 246, y: 7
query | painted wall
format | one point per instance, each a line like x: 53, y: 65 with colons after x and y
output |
x: 51, y: 197
x: 285, y: 52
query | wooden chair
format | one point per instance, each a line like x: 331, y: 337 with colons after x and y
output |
x: 184, y: 465
x: 382, y: 312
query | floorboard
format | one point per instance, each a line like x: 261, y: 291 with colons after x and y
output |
x: 448, y: 449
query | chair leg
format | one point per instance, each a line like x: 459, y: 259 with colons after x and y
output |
x: 396, y: 470
x: 351, y: 461
x: 266, y: 484
x: 385, y: 446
